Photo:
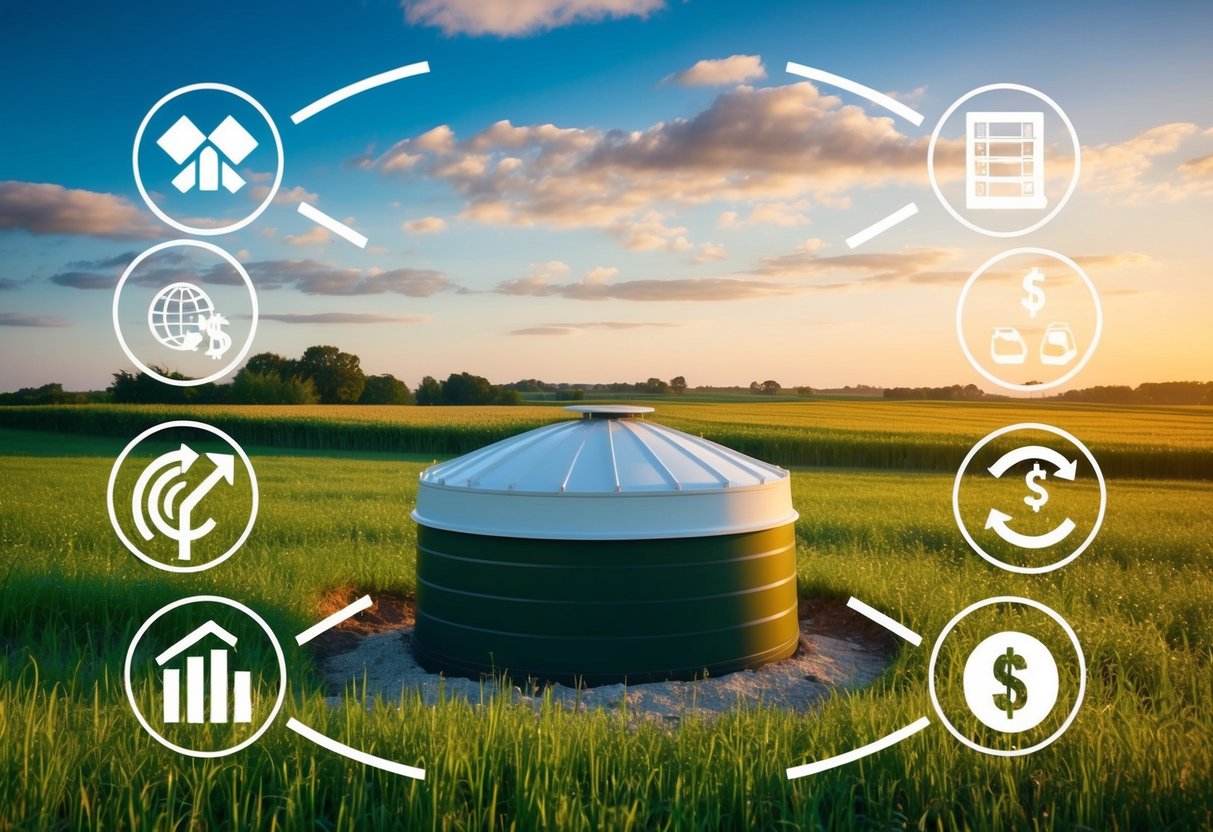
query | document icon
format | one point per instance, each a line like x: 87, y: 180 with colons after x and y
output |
x: 1004, y: 161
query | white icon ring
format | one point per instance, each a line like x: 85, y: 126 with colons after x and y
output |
x: 223, y: 229
x: 1082, y: 675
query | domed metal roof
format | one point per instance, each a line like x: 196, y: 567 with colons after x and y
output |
x: 602, y: 477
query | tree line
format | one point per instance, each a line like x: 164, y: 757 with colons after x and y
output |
x: 1165, y: 392
x: 325, y: 374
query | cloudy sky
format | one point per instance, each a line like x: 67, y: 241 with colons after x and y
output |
x: 598, y: 190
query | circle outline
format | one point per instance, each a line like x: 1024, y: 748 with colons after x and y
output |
x: 224, y: 229
x: 967, y: 223
x: 189, y: 752
x: 113, y: 479
x: 1082, y: 674
x: 1010, y: 567
x: 1069, y: 374
x: 207, y: 245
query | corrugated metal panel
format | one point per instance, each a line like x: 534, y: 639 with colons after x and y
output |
x: 604, y: 478
x: 603, y: 456
x: 605, y: 611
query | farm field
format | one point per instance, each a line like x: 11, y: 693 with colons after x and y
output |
x: 1150, y: 441
x: 333, y: 521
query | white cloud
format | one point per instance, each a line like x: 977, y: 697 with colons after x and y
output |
x: 519, y: 17
x: 650, y: 233
x: 1199, y: 167
x: 779, y: 145
x: 599, y: 275
x: 1130, y: 169
x: 578, y: 328
x: 424, y: 225
x: 314, y: 236
x: 708, y: 252
x: 343, y: 318
x: 285, y: 196
x: 315, y: 278
x: 45, y: 208
x: 780, y: 214
x: 735, y: 69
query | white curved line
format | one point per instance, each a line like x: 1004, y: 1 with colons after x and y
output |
x: 900, y: 215
x: 1065, y: 468
x: 862, y: 751
x: 884, y: 621
x: 333, y: 620
x: 353, y: 753
x: 998, y: 522
x: 912, y: 116
x: 339, y: 228
x: 361, y: 86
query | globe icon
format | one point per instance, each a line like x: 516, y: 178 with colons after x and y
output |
x: 176, y: 315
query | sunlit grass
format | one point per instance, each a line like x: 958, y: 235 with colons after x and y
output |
x: 1139, y: 756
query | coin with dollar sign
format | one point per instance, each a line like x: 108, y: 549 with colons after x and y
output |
x: 1010, y: 682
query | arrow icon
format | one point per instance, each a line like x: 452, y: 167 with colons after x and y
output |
x: 1066, y: 469
x: 160, y: 502
x: 998, y: 522
x: 225, y: 469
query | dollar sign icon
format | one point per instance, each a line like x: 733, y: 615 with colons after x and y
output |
x: 1032, y: 481
x: 1035, y: 301
x: 1017, y: 692
x: 1018, y: 662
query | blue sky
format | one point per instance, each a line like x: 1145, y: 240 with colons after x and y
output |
x: 501, y: 288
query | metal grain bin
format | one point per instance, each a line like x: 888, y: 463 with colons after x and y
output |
x: 604, y: 549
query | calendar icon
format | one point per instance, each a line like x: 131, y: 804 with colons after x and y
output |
x: 1004, y: 161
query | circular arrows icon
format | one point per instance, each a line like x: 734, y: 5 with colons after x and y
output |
x: 998, y: 521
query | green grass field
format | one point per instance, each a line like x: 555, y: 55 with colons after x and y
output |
x: 1139, y: 755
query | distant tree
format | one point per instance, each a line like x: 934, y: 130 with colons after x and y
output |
x: 1175, y: 392
x: 655, y: 385
x: 505, y: 396
x: 467, y: 389
x: 804, y: 391
x: 770, y: 387
x: 429, y: 392
x: 678, y: 384
x: 530, y: 385
x: 755, y: 387
x: 250, y: 387
x: 46, y: 394
x: 574, y: 394
x: 271, y: 362
x: 385, y: 389
x: 337, y: 375
x: 140, y: 388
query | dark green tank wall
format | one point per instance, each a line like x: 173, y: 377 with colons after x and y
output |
x: 604, y: 611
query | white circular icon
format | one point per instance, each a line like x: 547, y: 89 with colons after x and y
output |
x: 208, y: 687
x: 1023, y: 643
x: 1048, y: 465
x: 1044, y: 280
x: 182, y: 317
x: 1010, y: 682
x: 167, y: 504
x: 990, y: 182
x: 204, y: 158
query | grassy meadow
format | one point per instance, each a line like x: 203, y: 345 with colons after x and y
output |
x: 334, y: 519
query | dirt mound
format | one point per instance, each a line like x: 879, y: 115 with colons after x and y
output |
x: 839, y: 649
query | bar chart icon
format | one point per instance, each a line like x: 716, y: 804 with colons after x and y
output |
x: 211, y: 695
